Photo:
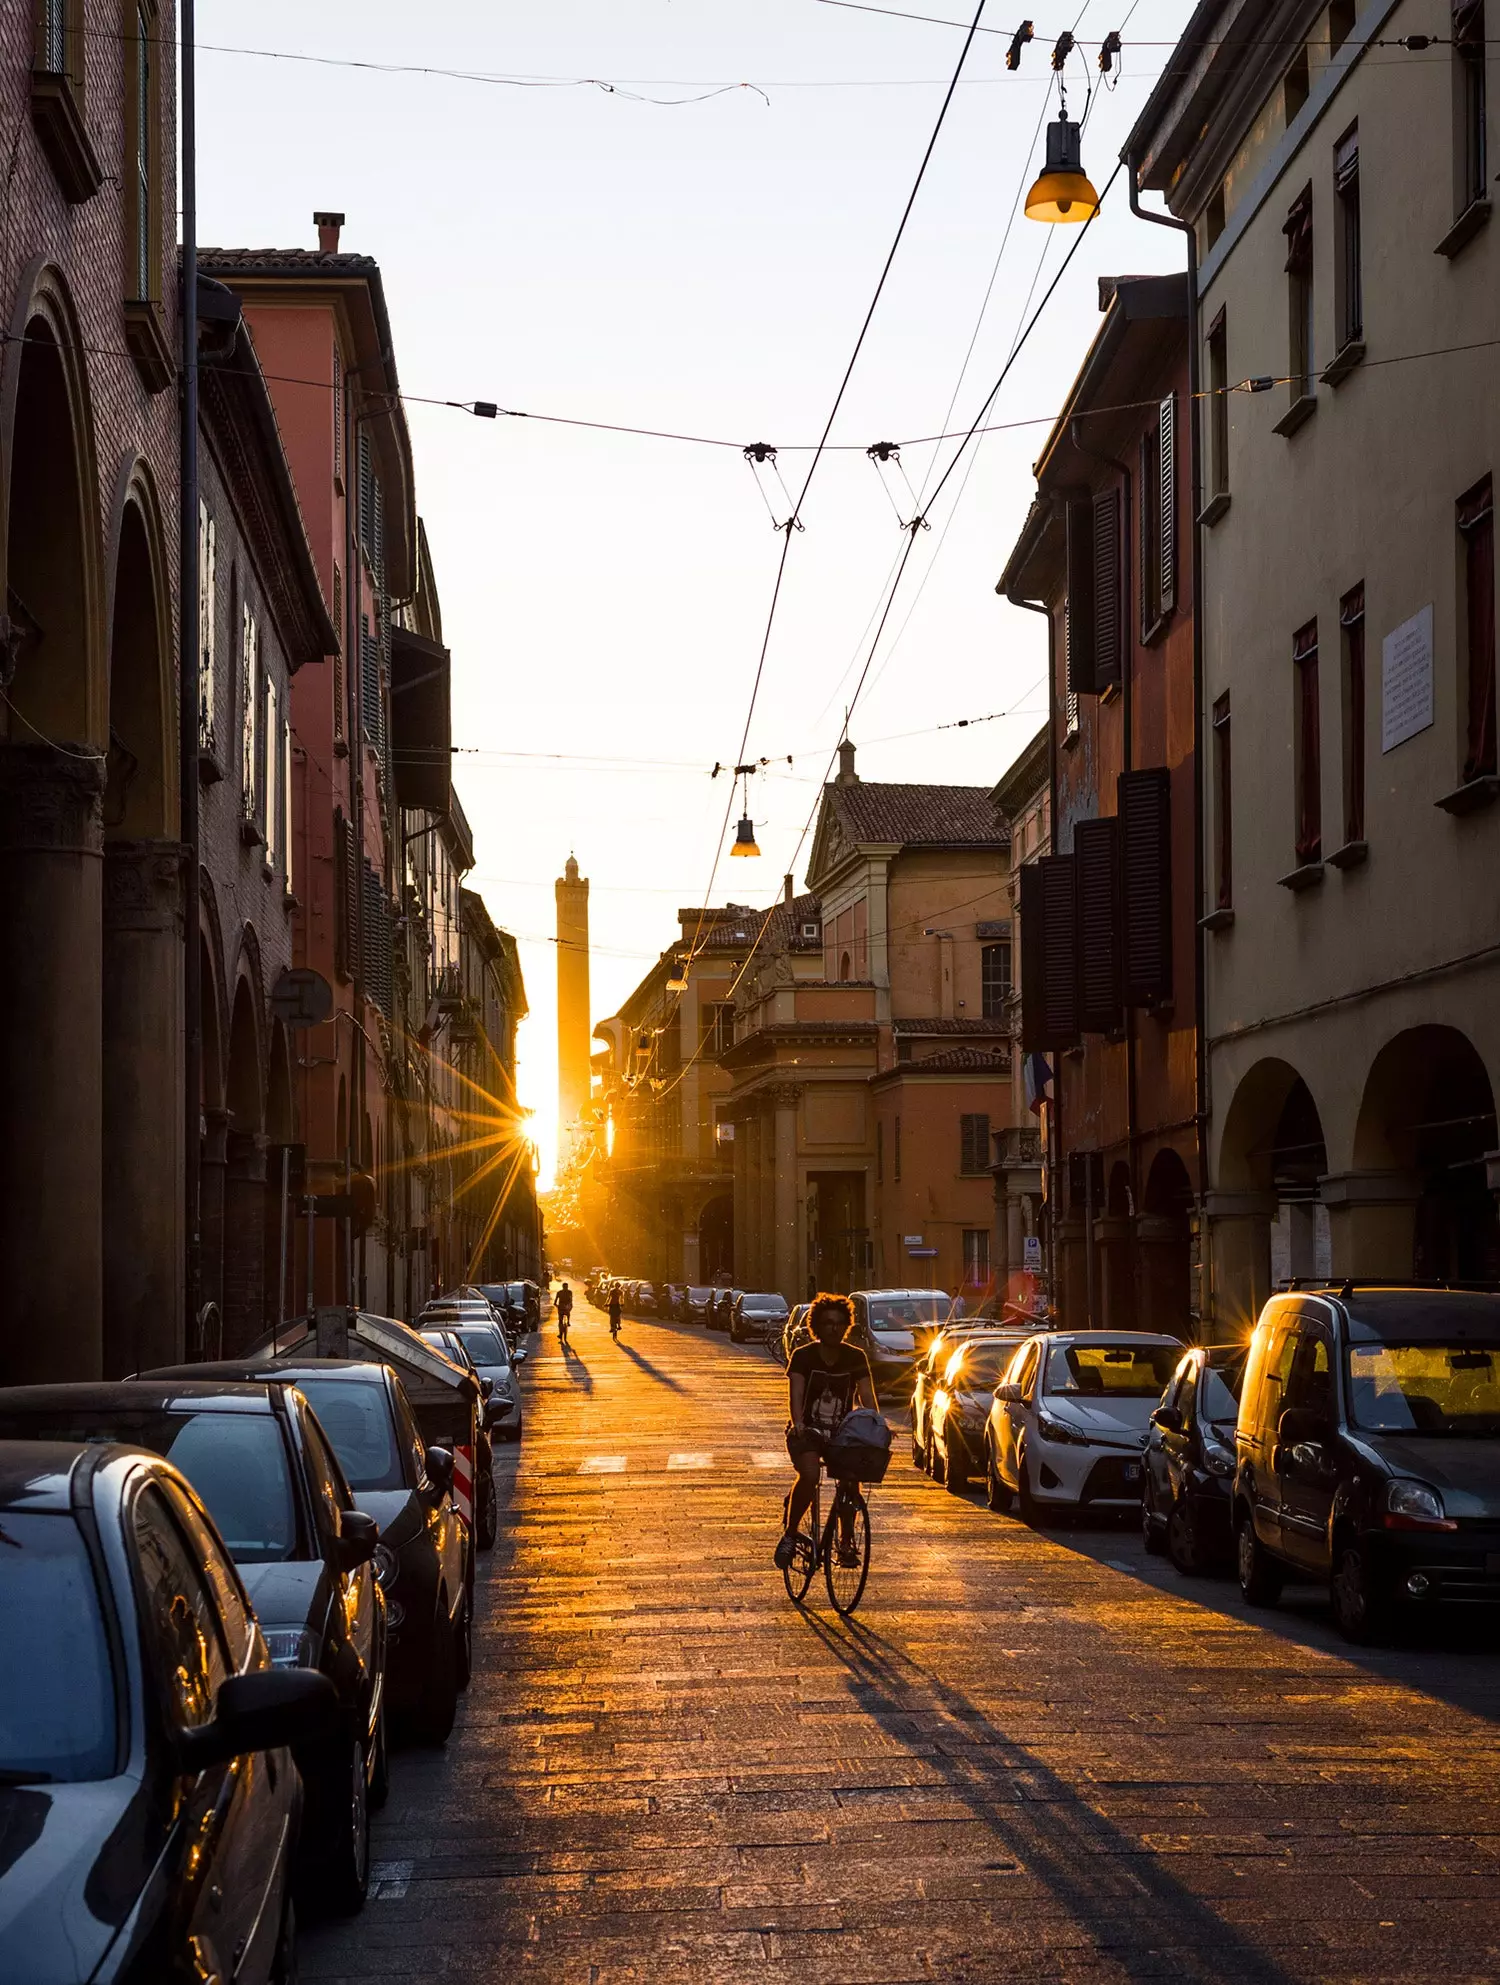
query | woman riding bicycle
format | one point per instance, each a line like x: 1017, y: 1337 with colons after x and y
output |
x: 826, y: 1379
x: 614, y: 1312
x: 564, y: 1306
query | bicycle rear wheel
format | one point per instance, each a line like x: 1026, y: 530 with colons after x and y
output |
x: 846, y: 1549
x: 798, y: 1575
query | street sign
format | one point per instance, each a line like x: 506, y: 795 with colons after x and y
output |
x: 301, y: 997
x: 922, y: 1253
x: 911, y: 1240
x: 1032, y: 1254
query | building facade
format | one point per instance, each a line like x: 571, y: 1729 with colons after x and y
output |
x: 1022, y: 800
x: 1346, y: 273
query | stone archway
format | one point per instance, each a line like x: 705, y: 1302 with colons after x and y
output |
x: 142, y: 946
x: 244, y: 1301
x: 716, y: 1237
x: 1417, y: 1202
x: 1267, y: 1216
x: 52, y: 775
x: 1163, y: 1230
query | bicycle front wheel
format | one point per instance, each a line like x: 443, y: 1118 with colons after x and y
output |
x: 798, y: 1575
x: 846, y: 1550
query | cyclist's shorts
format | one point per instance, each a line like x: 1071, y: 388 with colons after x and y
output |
x: 798, y: 1445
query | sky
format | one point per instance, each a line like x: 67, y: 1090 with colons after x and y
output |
x: 655, y: 256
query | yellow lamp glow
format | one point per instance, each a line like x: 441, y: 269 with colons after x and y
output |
x: 1063, y: 193
x: 744, y: 838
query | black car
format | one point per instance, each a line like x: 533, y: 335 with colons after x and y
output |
x: 278, y: 1498
x: 721, y: 1309
x: 148, y: 1799
x: 1190, y: 1460
x: 423, y: 1557
x: 1368, y: 1451
x: 759, y: 1314
x: 494, y: 1362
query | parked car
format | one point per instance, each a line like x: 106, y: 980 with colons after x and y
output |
x: 722, y: 1309
x: 759, y: 1314
x: 928, y: 1377
x: 474, y: 1304
x: 795, y: 1332
x: 485, y: 1506
x: 496, y: 1364
x: 643, y: 1299
x: 262, y: 1465
x: 1368, y: 1451
x: 699, y: 1300
x: 1189, y: 1460
x: 148, y: 1801
x: 1069, y: 1421
x: 423, y: 1558
x: 508, y: 1300
x: 893, y: 1326
x: 959, y: 1406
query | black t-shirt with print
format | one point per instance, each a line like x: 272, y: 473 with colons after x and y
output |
x: 829, y: 1390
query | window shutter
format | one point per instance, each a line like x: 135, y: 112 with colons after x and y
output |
x: 207, y: 605
x: 1167, y: 505
x: 1096, y: 852
x: 1049, y: 1002
x: 1080, y: 605
x: 974, y: 1142
x: 1144, y: 800
x: 1109, y: 614
x: 377, y: 532
x: 378, y: 938
x: 343, y: 918
x: 366, y: 495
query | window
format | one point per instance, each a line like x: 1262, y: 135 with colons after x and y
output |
x: 273, y: 774
x: 716, y: 1027
x: 896, y: 1152
x: 994, y: 979
x: 179, y: 1618
x: 371, y: 704
x: 976, y: 1257
x: 1349, y: 287
x: 1294, y: 86
x: 208, y: 743
x: 55, y: 34
x: 1223, y: 805
x: 846, y: 968
x: 1306, y: 750
x: 249, y: 717
x: 1214, y: 219
x: 1476, y: 525
x: 1297, y: 227
x: 974, y: 1142
x: 1469, y: 104
x: 1352, y: 660
x: 1158, y: 518
x: 340, y: 688
x: 1218, y: 406
x: 1340, y: 25
x: 58, y: 98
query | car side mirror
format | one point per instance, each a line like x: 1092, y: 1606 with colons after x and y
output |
x: 1008, y: 1393
x: 262, y: 1712
x: 1168, y: 1419
x: 358, y: 1536
x: 519, y: 1355
x: 486, y: 1387
x: 440, y: 1472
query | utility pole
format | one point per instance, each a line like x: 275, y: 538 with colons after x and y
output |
x: 188, y: 664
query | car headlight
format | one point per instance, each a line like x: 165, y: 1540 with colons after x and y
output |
x: 1416, y: 1506
x: 386, y: 1565
x: 1060, y: 1435
x: 290, y: 1647
x: 1218, y: 1459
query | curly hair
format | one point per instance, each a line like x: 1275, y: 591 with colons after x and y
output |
x: 825, y: 1301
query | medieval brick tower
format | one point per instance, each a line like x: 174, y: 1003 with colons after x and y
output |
x: 572, y: 1002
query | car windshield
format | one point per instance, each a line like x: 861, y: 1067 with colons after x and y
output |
x: 766, y: 1305
x: 57, y: 1698
x: 978, y: 1367
x: 696, y: 1295
x: 1219, y: 1392
x: 907, y: 1312
x: 236, y: 1461
x: 483, y: 1343
x: 357, y: 1419
x: 1425, y: 1388
x: 1111, y: 1371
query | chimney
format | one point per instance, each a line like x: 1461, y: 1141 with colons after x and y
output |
x: 788, y: 889
x: 847, y: 774
x: 328, y: 226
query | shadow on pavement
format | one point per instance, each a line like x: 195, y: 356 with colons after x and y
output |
x: 1133, y: 1910
x: 651, y: 1371
x: 576, y: 1369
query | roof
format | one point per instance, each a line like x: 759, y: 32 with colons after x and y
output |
x: 916, y: 816
x: 994, y: 1030
x: 136, y: 1395
x: 35, y: 1474
x: 951, y: 1061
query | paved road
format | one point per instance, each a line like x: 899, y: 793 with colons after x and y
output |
x: 1031, y: 1756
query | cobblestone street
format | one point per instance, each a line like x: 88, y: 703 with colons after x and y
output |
x: 1040, y: 1756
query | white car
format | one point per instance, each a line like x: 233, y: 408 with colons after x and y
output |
x: 1070, y: 1419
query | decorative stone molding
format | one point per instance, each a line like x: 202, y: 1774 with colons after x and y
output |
x: 143, y: 885
x: 784, y: 1095
x: 51, y: 800
x: 1370, y: 1188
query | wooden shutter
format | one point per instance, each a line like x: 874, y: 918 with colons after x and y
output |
x: 1167, y: 505
x: 377, y: 532
x: 1144, y: 801
x: 343, y: 896
x: 1049, y: 990
x: 974, y: 1142
x: 1109, y: 605
x: 1080, y: 605
x: 1096, y: 852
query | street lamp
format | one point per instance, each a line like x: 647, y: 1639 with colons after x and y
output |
x: 744, y: 837
x: 1063, y: 191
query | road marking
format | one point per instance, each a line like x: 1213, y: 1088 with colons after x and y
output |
x: 388, y: 1880
x: 602, y: 1464
x: 771, y: 1458
x: 690, y: 1461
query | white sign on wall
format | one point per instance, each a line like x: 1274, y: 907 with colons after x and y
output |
x: 1032, y: 1253
x: 1406, y: 680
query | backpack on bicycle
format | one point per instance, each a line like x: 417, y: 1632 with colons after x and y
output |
x: 860, y: 1450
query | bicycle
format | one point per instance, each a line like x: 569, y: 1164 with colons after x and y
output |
x: 841, y: 1546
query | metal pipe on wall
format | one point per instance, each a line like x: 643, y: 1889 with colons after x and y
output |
x: 188, y: 664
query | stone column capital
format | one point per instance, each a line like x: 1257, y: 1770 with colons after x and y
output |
x: 51, y: 800
x: 784, y: 1095
x: 143, y: 885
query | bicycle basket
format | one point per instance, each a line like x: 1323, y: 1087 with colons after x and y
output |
x: 861, y: 1449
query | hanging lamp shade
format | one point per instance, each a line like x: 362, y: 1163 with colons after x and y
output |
x: 744, y: 837
x: 1064, y: 192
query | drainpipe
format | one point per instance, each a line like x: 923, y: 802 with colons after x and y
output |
x: 1200, y: 949
x: 188, y: 664
x: 1127, y: 700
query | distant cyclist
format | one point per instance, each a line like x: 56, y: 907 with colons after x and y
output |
x: 825, y: 1380
x: 564, y: 1311
x: 614, y: 1312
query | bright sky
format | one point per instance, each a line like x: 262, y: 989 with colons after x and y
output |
x: 702, y: 267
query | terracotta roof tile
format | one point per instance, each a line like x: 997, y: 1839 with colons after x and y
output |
x: 918, y: 816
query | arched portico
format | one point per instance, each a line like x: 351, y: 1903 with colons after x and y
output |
x: 52, y: 779
x: 245, y: 1177
x: 1163, y: 1232
x: 1266, y: 1215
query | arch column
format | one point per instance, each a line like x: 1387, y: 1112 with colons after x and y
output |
x: 1115, y: 1256
x: 784, y: 1250
x: 1240, y: 1260
x: 142, y: 1040
x: 1372, y: 1222
x: 213, y: 1162
x: 244, y: 1240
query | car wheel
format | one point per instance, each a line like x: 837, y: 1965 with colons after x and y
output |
x: 380, y: 1775
x: 439, y: 1703
x: 1184, y: 1543
x: 488, y: 1513
x: 346, y: 1866
x: 464, y: 1642
x: 1361, y: 1607
x: 918, y: 1456
x: 1150, y: 1529
x: 996, y: 1493
x: 1261, y: 1577
x: 934, y: 1460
